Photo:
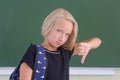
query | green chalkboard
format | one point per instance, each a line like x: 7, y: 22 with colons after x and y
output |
x: 20, y: 22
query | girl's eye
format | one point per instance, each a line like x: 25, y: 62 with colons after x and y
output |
x: 59, y: 30
x: 67, y: 35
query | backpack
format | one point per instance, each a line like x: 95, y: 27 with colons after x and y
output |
x: 39, y: 67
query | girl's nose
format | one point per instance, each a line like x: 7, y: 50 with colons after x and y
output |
x: 61, y: 37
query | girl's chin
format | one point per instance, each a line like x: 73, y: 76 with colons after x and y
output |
x: 57, y: 46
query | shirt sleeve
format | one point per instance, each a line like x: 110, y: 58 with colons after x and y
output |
x: 71, y: 53
x: 29, y: 56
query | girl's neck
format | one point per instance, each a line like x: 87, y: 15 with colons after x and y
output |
x: 48, y: 46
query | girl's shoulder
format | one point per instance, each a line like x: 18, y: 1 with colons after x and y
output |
x: 29, y: 56
x: 66, y: 51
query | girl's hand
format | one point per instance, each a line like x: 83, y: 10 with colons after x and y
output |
x: 81, y: 49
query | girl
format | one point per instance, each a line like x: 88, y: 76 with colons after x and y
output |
x: 59, y: 30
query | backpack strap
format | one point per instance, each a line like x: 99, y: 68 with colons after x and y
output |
x: 40, y: 64
x: 15, y: 75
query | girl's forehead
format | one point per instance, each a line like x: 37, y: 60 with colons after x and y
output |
x: 63, y: 22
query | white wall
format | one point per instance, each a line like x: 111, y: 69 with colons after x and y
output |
x: 78, y: 73
x: 114, y: 75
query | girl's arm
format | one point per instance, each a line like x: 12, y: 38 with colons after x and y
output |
x: 25, y: 72
x: 82, y: 48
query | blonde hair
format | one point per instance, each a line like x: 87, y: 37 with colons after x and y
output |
x: 51, y: 19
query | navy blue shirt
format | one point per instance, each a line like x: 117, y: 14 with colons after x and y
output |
x: 58, y: 62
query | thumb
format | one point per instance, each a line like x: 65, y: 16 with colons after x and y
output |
x: 83, y: 59
x: 87, y: 48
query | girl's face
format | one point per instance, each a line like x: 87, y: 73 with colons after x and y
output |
x: 59, y: 34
